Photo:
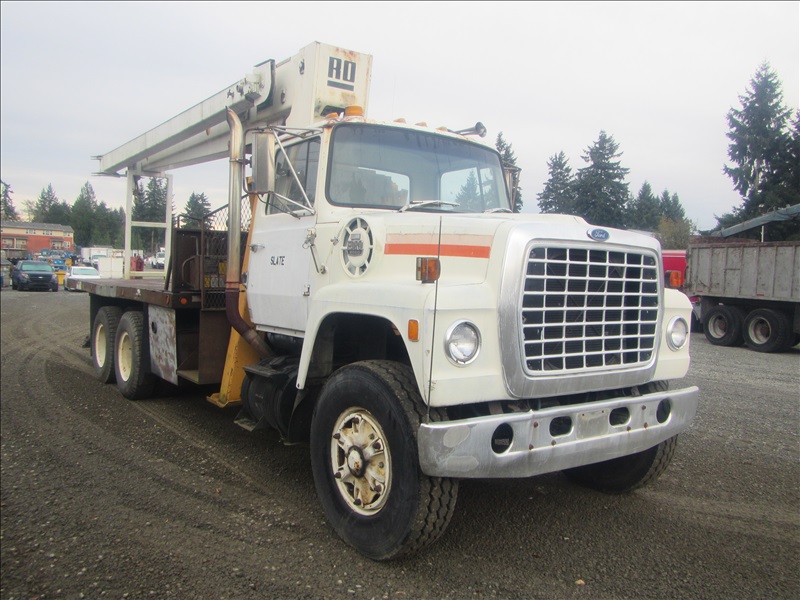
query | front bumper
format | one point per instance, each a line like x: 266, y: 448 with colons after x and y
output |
x: 36, y: 285
x: 532, y: 442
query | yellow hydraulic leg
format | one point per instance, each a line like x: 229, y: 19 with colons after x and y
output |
x: 240, y: 353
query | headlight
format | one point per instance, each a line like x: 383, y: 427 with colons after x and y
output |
x: 677, y: 333
x: 54, y: 277
x: 23, y: 276
x: 462, y: 343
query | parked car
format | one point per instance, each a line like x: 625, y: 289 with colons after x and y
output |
x: 160, y: 258
x: 34, y: 275
x: 80, y: 274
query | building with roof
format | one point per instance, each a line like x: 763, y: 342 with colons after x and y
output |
x: 21, y: 239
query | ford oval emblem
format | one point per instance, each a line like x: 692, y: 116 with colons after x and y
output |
x: 598, y: 235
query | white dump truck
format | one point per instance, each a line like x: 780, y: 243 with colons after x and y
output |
x: 369, y: 291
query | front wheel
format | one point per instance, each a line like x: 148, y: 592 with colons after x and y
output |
x: 627, y: 473
x: 366, y: 466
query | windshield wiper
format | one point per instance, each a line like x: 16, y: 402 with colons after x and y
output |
x: 498, y: 210
x: 420, y: 203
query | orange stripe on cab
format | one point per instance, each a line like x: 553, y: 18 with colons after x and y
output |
x: 459, y: 245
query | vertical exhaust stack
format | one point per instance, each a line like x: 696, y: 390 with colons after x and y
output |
x: 233, y: 272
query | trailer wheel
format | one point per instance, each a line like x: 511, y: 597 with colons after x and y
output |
x: 366, y: 466
x: 723, y: 325
x: 767, y: 330
x: 104, y: 332
x: 132, y: 358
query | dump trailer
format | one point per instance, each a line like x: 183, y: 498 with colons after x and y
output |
x: 748, y: 291
x: 368, y: 290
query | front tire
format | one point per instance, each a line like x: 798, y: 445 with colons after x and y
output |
x: 132, y: 358
x: 627, y: 473
x: 104, y: 331
x: 366, y: 466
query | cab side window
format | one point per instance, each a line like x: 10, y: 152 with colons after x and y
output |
x: 304, y: 157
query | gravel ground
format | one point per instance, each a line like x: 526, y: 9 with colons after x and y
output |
x: 168, y: 498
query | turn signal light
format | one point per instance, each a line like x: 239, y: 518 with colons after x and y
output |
x: 674, y: 279
x: 428, y: 269
x: 354, y: 111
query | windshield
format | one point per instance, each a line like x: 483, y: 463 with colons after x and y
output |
x: 387, y: 167
x: 39, y: 267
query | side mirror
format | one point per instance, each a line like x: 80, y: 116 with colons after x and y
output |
x: 263, y: 162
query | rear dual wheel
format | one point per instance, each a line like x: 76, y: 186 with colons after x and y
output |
x: 722, y: 325
x: 104, y: 332
x: 132, y: 358
x: 767, y: 330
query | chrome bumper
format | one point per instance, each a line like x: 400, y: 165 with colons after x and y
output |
x: 463, y: 448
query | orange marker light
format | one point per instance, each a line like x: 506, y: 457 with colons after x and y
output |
x: 675, y: 279
x: 413, y: 330
x: 354, y: 111
x: 428, y: 269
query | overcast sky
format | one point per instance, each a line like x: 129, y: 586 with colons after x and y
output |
x: 80, y: 79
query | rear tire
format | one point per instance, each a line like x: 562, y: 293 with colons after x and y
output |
x: 366, y: 465
x: 132, y: 358
x: 723, y: 325
x: 767, y: 330
x: 104, y: 332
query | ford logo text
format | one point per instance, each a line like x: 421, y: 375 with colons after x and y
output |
x: 598, y: 235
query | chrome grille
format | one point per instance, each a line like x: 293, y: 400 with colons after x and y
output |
x: 588, y: 310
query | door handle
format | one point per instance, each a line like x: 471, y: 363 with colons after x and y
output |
x: 256, y: 247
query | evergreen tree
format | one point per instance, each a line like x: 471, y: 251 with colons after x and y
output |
x: 197, y: 207
x: 645, y: 210
x: 558, y: 195
x: 764, y: 151
x: 671, y: 207
x: 468, y: 195
x: 82, y: 216
x: 149, y: 205
x: 106, y: 231
x: 44, y: 204
x: 601, y: 192
x: 790, y: 162
x: 510, y: 164
x: 9, y: 213
x: 60, y: 213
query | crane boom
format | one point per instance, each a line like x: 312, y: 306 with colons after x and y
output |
x: 296, y: 92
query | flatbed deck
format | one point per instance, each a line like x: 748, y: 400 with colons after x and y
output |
x: 146, y: 290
